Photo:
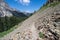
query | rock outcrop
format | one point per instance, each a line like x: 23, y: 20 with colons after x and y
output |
x: 49, y: 25
x: 4, y: 9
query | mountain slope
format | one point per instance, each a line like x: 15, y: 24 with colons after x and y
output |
x: 43, y: 25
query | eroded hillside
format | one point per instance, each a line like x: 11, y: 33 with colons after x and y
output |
x: 43, y: 25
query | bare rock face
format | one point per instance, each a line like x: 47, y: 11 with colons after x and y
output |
x: 49, y: 25
x: 4, y: 9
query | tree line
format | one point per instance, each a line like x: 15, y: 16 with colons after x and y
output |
x: 9, y: 22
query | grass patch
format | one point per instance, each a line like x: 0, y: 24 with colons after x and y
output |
x: 2, y: 34
x: 48, y: 5
x: 41, y: 35
x: 54, y: 4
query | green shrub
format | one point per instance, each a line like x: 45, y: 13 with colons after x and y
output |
x: 41, y: 35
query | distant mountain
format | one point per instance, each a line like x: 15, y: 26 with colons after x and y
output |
x: 28, y: 13
x: 18, y: 13
x: 5, y: 10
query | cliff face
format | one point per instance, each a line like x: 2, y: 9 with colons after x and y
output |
x: 4, y: 9
x: 43, y: 25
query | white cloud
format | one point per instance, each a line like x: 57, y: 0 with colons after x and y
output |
x: 27, y: 11
x: 24, y: 2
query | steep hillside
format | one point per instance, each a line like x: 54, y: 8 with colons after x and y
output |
x: 43, y: 25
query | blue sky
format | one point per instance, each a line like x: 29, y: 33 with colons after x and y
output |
x: 26, y: 5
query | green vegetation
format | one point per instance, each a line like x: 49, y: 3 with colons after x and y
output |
x: 41, y: 35
x: 7, y: 24
x: 54, y: 4
x: 48, y: 5
x: 8, y: 31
